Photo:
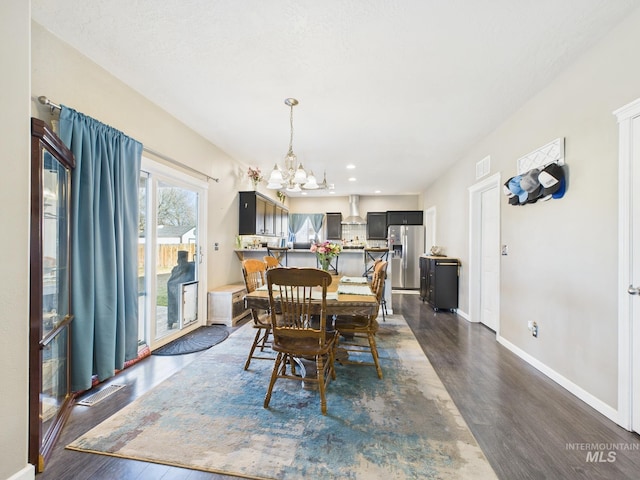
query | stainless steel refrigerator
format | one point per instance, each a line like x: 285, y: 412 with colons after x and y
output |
x: 406, y: 244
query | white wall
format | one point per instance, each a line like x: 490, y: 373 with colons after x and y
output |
x: 67, y: 77
x: 14, y: 217
x: 561, y: 268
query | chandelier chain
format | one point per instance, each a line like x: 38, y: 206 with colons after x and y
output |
x: 291, y: 134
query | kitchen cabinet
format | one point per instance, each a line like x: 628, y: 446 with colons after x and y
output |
x: 439, y: 281
x: 376, y: 225
x: 282, y: 222
x: 334, y: 226
x: 50, y: 316
x: 259, y: 215
x: 404, y: 217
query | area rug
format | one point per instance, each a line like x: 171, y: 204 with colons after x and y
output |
x: 200, y: 339
x: 209, y: 416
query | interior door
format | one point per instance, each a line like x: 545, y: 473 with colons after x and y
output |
x: 634, y: 281
x: 490, y: 258
x: 629, y: 267
x: 484, y: 252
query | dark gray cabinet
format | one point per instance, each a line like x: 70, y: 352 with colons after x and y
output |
x: 259, y: 215
x: 404, y: 217
x: 334, y: 226
x: 439, y: 281
x: 376, y: 225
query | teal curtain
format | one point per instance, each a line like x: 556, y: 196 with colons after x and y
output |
x: 104, y: 231
x: 316, y: 220
x: 296, y: 220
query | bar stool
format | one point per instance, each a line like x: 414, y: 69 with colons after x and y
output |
x: 280, y: 254
x: 371, y: 255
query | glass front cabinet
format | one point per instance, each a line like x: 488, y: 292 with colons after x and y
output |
x: 50, y: 315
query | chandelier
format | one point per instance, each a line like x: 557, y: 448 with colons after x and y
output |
x: 293, y: 177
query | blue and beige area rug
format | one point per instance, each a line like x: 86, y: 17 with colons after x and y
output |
x: 209, y: 417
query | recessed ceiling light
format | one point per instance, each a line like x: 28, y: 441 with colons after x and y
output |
x: 351, y: 166
x: 332, y: 193
x: 352, y: 179
x: 303, y: 193
x: 377, y: 191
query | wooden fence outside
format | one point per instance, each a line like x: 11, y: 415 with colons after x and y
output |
x: 167, y: 255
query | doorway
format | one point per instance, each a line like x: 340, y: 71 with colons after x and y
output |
x: 171, y: 264
x: 484, y: 255
x: 629, y: 267
x: 430, y: 228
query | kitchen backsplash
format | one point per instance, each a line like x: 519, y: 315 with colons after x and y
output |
x: 354, y: 233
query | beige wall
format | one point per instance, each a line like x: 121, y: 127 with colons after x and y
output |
x: 67, y: 77
x: 561, y: 270
x: 14, y: 192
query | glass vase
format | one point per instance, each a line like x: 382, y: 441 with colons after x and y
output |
x: 324, y: 263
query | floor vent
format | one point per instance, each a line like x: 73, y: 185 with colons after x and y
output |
x: 99, y: 396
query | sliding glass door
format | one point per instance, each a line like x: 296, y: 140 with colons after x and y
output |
x: 172, y: 267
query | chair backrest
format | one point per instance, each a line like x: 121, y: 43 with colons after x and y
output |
x: 270, y: 262
x: 377, y: 282
x: 298, y: 301
x: 379, y: 267
x: 253, y: 272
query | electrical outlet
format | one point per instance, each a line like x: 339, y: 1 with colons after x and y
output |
x: 505, y: 250
x: 534, y: 329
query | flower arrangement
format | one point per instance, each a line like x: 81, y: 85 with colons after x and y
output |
x: 325, y: 251
x: 255, y: 175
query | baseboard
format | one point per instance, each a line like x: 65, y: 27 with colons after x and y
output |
x: 586, y: 397
x: 27, y: 473
x: 463, y: 314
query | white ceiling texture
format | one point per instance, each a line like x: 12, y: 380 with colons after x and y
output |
x: 399, y: 88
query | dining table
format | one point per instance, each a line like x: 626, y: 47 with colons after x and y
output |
x: 345, y: 296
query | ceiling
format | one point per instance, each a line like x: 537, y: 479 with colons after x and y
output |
x: 398, y: 88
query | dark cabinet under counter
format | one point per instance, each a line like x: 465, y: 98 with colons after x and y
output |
x: 439, y: 281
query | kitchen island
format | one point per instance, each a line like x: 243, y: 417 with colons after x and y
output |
x: 351, y: 263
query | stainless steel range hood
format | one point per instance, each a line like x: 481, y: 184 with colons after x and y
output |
x: 354, y: 217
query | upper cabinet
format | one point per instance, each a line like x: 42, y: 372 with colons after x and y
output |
x: 50, y: 316
x: 334, y: 226
x: 404, y: 217
x: 376, y: 225
x: 259, y: 215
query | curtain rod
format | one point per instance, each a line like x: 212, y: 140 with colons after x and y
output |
x: 54, y: 106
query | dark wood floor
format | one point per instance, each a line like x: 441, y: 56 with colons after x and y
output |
x: 524, y: 422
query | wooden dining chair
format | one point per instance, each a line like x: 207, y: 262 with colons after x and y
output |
x: 253, y: 272
x: 270, y: 262
x: 281, y: 254
x: 298, y: 302
x: 354, y: 328
x: 379, y: 266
